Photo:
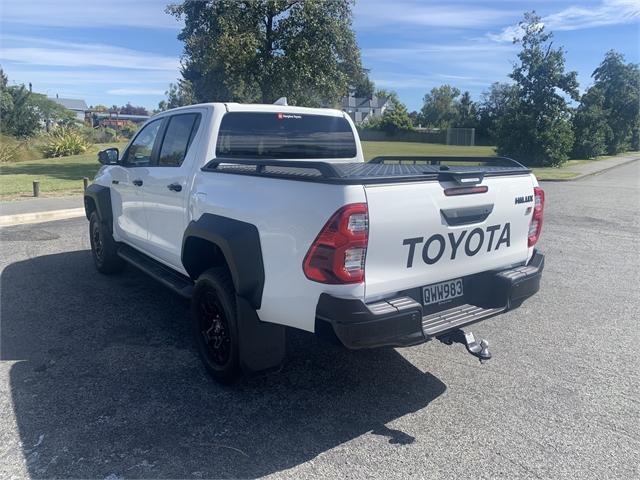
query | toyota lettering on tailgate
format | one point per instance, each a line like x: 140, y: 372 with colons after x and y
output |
x: 469, y: 242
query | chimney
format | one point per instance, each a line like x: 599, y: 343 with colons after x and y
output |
x: 30, y: 88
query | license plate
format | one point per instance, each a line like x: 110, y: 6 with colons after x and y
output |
x: 443, y: 291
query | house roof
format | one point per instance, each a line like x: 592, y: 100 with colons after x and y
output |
x: 361, y: 102
x: 120, y: 116
x: 72, y: 103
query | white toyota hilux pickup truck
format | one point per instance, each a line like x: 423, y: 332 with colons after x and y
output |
x: 267, y: 216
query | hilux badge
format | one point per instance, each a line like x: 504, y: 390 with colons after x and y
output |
x: 524, y: 199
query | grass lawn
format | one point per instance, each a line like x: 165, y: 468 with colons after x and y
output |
x: 375, y: 149
x: 553, y: 174
x: 63, y: 176
x: 57, y: 176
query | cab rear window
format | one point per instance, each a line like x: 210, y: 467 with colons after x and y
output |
x: 282, y: 135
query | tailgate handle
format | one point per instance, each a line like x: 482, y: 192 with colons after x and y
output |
x: 469, y: 178
x: 466, y: 215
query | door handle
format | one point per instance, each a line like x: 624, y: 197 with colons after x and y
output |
x: 138, y: 182
x: 175, y: 187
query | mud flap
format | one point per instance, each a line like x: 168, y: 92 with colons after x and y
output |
x: 262, y: 345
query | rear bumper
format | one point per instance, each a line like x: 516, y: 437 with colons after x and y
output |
x: 400, y: 321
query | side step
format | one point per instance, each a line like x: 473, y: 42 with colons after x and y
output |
x: 177, y: 282
x: 441, y: 322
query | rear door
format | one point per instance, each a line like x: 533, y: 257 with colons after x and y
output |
x: 167, y: 185
x: 418, y: 235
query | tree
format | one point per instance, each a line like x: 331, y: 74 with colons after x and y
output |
x: 394, y: 119
x: 260, y: 50
x: 415, y: 118
x: 129, y: 109
x: 492, y: 106
x: 23, y: 113
x: 178, y: 95
x: 467, y: 115
x: 536, y: 127
x: 590, y: 126
x: 616, y: 92
x: 6, y: 100
x: 439, y: 109
x: 362, y: 86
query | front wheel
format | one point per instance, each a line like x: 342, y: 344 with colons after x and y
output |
x: 214, y: 325
x: 103, y: 247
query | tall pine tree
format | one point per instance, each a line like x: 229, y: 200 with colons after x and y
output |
x: 536, y: 127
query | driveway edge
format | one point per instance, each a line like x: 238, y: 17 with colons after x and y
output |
x: 39, y: 217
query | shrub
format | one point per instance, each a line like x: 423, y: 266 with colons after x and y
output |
x: 99, y: 135
x: 9, y: 152
x: 128, y: 130
x: 14, y: 149
x: 64, y: 141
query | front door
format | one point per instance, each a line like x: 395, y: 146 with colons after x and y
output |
x: 127, y: 188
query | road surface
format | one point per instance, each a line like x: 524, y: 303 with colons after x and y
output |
x: 98, y: 377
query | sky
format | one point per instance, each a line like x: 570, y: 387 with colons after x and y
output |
x: 118, y: 51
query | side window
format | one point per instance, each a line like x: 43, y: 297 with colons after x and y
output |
x: 177, y: 139
x: 139, y: 152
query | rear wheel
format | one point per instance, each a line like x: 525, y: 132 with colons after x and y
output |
x: 214, y: 325
x: 103, y: 247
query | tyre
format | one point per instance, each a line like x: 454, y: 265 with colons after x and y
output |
x: 214, y: 324
x: 103, y: 247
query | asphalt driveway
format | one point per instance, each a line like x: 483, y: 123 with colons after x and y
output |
x: 98, y: 377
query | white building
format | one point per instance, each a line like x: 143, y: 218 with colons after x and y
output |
x: 361, y: 109
x: 78, y: 107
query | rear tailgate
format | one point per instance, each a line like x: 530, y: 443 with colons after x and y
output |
x: 419, y: 236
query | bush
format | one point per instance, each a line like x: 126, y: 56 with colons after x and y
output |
x: 64, y: 141
x: 129, y: 129
x: 14, y: 149
x: 9, y: 152
x: 99, y: 135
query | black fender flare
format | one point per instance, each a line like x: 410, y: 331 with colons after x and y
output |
x: 239, y: 243
x: 100, y: 196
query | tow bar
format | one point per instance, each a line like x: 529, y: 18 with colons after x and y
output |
x: 477, y: 348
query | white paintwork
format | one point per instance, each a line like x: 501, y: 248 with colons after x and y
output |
x: 289, y: 215
x: 130, y: 220
x: 165, y: 209
x: 402, y: 211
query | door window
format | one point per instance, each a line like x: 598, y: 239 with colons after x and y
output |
x: 177, y: 139
x: 139, y: 152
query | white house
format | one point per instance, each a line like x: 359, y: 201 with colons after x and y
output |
x: 361, y: 109
x: 78, y: 107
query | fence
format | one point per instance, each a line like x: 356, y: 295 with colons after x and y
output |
x: 450, y: 136
x: 461, y: 136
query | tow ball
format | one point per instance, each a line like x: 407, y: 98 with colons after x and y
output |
x: 477, y: 348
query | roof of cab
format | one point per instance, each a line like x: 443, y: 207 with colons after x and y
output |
x: 258, y: 107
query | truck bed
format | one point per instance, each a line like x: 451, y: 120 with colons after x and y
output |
x: 378, y: 170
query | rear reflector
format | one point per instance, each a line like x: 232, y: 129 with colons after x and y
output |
x: 453, y: 191
x: 535, y: 227
x: 339, y: 251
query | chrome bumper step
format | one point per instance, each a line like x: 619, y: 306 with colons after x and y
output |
x: 440, y: 322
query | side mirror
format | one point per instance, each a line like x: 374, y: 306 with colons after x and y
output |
x: 109, y: 156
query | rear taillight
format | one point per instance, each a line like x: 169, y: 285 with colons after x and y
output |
x: 339, y: 251
x: 535, y: 227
